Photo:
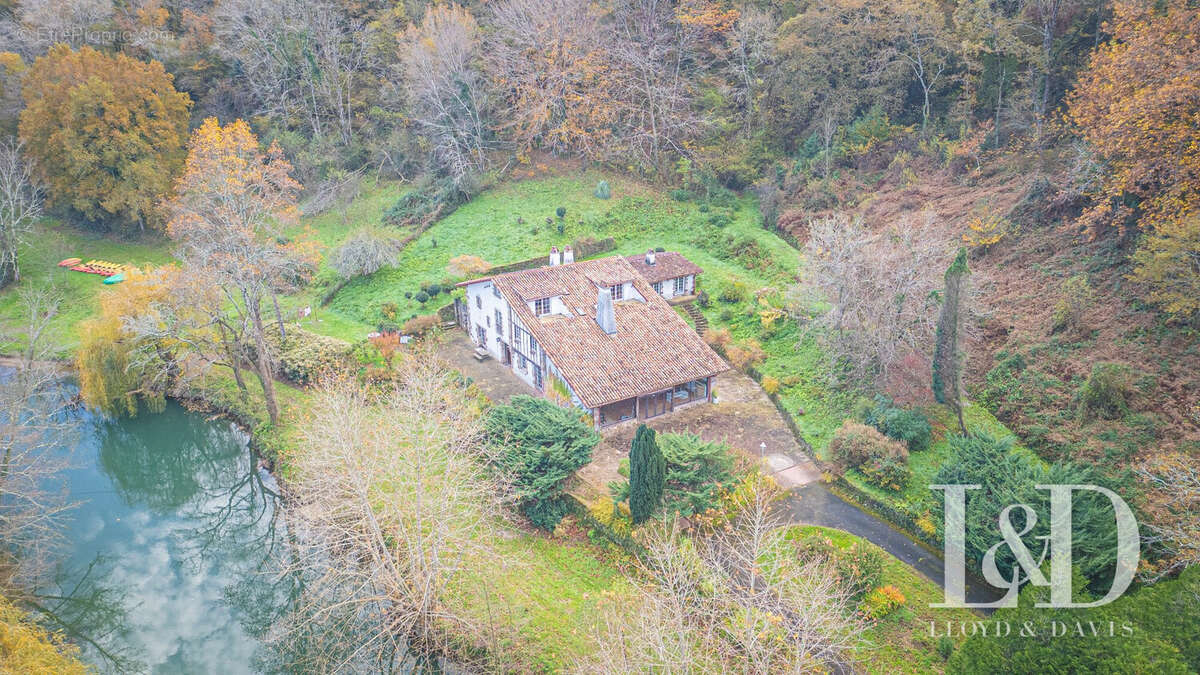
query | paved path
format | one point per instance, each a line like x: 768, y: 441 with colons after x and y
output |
x: 814, y: 504
x: 495, y: 379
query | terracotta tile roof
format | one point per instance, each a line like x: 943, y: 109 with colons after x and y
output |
x: 653, y: 348
x: 667, y: 265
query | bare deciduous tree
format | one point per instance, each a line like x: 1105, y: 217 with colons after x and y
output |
x: 739, y: 600
x: 869, y: 295
x: 365, y: 251
x: 1175, y: 501
x: 20, y: 205
x: 447, y: 89
x: 392, y: 502
x: 548, y: 62
x: 32, y: 441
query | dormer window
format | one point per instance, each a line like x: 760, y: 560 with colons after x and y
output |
x: 618, y: 291
x: 541, y: 306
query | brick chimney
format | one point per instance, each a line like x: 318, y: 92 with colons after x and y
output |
x: 605, y: 316
x: 555, y: 258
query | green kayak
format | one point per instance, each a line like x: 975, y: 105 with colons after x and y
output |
x: 114, y: 279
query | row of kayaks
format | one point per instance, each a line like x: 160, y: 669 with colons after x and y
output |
x: 113, y: 273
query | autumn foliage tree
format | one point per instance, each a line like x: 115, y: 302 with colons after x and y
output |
x: 231, y: 205
x: 106, y: 133
x: 1136, y: 106
x: 112, y: 377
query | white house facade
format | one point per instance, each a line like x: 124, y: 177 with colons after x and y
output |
x: 597, y: 332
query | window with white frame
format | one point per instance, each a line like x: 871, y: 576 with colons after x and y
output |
x: 618, y: 291
x: 680, y: 285
x: 541, y: 306
x: 499, y: 322
x: 658, y: 287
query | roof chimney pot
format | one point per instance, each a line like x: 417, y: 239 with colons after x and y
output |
x: 555, y: 258
x: 650, y: 257
x: 568, y: 255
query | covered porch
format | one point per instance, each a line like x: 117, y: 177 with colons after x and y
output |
x: 654, y: 404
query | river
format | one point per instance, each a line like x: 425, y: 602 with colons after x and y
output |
x: 171, y: 545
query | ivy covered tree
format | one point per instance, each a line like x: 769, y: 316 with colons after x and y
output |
x: 947, y: 359
x: 106, y: 134
x: 647, y: 475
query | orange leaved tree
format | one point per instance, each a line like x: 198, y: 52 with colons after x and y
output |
x: 105, y: 133
x: 1136, y: 106
x: 228, y: 216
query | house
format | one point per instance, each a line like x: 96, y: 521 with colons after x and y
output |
x: 597, y: 332
x: 670, y: 274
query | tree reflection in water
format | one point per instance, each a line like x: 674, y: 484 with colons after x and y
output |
x: 173, y: 548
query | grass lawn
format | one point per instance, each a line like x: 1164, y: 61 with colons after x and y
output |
x: 50, y: 242
x: 508, y: 223
x: 899, y: 642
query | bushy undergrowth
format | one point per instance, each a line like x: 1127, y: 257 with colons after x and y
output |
x: 907, y: 426
x: 881, y: 460
x: 305, y: 356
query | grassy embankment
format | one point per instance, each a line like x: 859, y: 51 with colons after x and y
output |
x: 899, y: 642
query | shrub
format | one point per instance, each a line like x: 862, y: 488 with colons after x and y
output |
x: 1077, y: 296
x: 704, y: 208
x: 859, y: 566
x: 364, y: 252
x: 681, y: 195
x: 419, y: 325
x: 881, y: 460
x: 697, y: 472
x: 389, y: 310
x: 719, y: 220
x: 421, y: 297
x: 602, y: 190
x: 717, y: 338
x: 908, y: 426
x: 882, y: 601
x: 408, y: 295
x: 770, y: 384
x: 467, y: 266
x: 433, y: 289
x: 427, y: 204
x: 1105, y: 392
x: 745, y: 355
x: 945, y: 647
x: 702, y: 299
x: 561, y: 212
x: 735, y: 291
x: 304, y: 356
x: 541, y: 445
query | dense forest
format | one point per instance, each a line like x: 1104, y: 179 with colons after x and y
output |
x: 996, y: 202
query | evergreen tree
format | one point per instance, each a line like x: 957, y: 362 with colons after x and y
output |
x: 647, y: 474
x: 947, y: 360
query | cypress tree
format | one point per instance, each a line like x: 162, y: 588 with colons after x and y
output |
x: 947, y: 360
x: 647, y: 474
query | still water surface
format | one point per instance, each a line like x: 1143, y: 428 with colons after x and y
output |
x: 172, y: 544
